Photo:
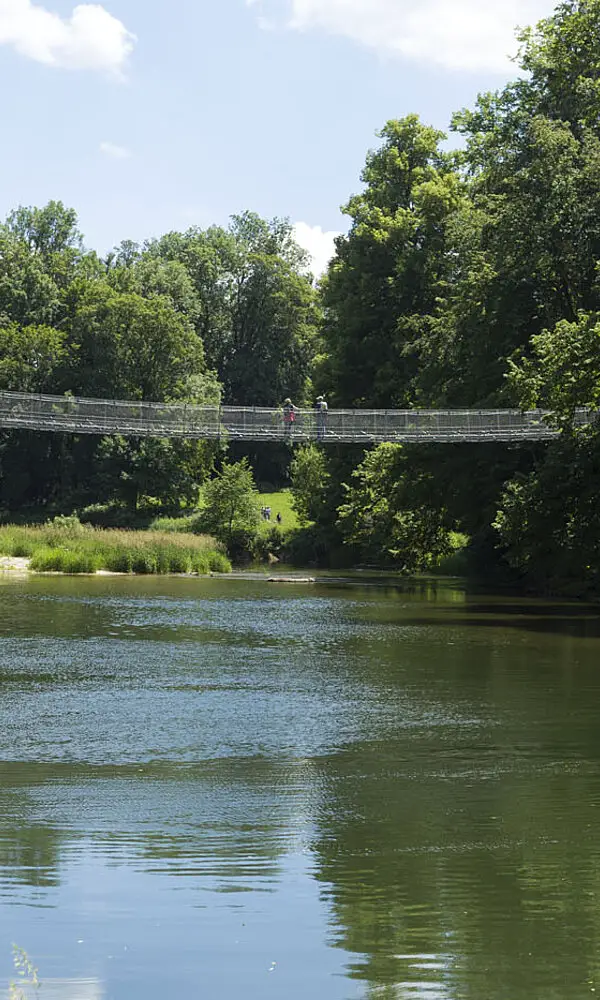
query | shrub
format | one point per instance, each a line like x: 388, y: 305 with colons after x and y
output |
x: 269, y: 544
x: 241, y: 546
x: 55, y: 560
x: 218, y: 563
x: 118, y: 560
x: 144, y: 563
x: 22, y: 549
x: 200, y: 564
x: 179, y: 562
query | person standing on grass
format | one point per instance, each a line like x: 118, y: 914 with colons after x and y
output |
x: 321, y: 409
x: 289, y: 417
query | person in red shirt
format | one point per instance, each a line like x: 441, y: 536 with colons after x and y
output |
x: 289, y: 417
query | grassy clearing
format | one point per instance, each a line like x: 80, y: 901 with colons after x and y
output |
x: 280, y: 503
x: 69, y: 547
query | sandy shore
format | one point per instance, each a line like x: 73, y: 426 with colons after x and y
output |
x: 13, y: 564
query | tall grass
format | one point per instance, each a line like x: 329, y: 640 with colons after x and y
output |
x: 66, y: 546
x: 28, y: 976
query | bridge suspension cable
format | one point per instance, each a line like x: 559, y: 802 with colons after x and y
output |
x: 182, y: 420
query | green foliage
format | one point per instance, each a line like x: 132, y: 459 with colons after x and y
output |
x: 230, y: 503
x: 563, y: 372
x: 66, y: 546
x: 389, y: 517
x: 45, y: 560
x: 32, y: 358
x: 281, y: 502
x: 310, y: 483
x: 384, y: 282
x: 257, y: 310
x: 130, y: 470
x: 457, y: 561
x: 130, y: 347
x: 548, y: 522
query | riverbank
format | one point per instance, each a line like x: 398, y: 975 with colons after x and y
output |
x: 66, y: 546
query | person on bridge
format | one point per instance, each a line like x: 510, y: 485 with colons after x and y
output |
x: 321, y: 409
x: 289, y: 417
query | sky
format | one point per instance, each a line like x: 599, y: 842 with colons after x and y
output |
x: 154, y: 115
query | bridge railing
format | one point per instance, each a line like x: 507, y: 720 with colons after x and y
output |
x: 171, y: 420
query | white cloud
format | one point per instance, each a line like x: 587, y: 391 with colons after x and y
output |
x: 90, y: 38
x: 474, y: 35
x: 115, y: 152
x: 320, y: 245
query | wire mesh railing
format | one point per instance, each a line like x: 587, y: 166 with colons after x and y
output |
x: 182, y: 420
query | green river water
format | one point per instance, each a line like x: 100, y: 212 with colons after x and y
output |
x: 235, y: 790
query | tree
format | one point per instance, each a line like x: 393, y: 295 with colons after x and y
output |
x: 310, y: 482
x: 28, y: 294
x: 562, y: 373
x: 51, y: 234
x: 382, y: 285
x: 150, y: 276
x: 548, y: 522
x: 230, y: 502
x: 257, y: 309
x: 33, y: 358
x: 392, y: 518
x: 131, y: 470
x: 130, y: 347
x: 273, y: 335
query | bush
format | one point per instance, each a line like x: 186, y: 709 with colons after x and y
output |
x: 200, y: 564
x: 55, y: 560
x: 177, y: 562
x: 241, y: 546
x: 118, y: 560
x: 309, y: 546
x: 218, y: 563
x: 269, y: 544
x: 22, y: 549
x: 144, y: 563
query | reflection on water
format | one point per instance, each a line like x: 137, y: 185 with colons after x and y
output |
x: 222, y: 789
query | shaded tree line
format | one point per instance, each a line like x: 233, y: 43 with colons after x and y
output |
x: 472, y: 278
x: 202, y: 316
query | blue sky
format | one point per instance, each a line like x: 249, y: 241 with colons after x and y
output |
x: 151, y: 115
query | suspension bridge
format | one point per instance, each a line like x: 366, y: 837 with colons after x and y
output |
x: 72, y: 415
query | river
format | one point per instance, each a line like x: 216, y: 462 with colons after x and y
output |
x: 234, y: 790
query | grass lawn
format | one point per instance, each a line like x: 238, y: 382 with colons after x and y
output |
x: 280, y: 503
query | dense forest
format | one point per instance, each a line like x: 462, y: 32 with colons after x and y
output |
x: 467, y: 278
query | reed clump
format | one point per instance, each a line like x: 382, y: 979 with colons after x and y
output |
x: 64, y: 545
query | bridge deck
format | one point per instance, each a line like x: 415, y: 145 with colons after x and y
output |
x: 136, y: 419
